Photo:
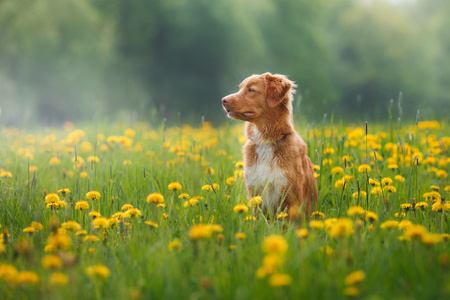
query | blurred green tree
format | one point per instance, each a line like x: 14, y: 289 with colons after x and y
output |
x: 378, y: 56
x: 52, y: 56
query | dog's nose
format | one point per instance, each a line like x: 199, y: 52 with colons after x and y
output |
x: 225, y: 100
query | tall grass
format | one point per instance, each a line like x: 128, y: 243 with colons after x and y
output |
x: 137, y: 160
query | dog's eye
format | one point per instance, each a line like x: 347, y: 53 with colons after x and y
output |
x: 251, y: 90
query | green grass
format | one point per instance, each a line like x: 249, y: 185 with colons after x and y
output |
x: 223, y: 267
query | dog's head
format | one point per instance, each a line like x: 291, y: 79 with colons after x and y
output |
x: 259, y: 96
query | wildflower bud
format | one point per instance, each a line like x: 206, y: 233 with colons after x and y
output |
x: 205, y: 283
x: 413, y: 202
x: 444, y: 260
x: 64, y: 173
x: 359, y: 224
x: 23, y: 247
x: 45, y: 192
x: 54, y: 224
x: 220, y: 238
x: 367, y: 127
x: 386, y: 204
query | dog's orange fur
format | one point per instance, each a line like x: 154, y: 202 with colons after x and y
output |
x: 273, y: 148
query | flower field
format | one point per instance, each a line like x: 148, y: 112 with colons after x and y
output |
x: 124, y: 211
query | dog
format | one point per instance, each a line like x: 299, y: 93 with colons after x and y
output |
x: 275, y: 162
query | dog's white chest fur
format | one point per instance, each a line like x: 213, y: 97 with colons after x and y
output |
x: 265, y: 175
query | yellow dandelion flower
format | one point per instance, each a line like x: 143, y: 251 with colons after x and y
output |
x: 438, y: 206
x: 301, y: 233
x: 339, y: 183
x: 52, y: 198
x: 355, y: 277
x: 240, y: 235
x: 376, y: 191
x: 327, y: 162
x: 282, y: 215
x: 58, y: 278
x: 373, y: 182
x: 8, y: 272
x: 362, y: 194
x: 441, y: 174
x: 127, y: 206
x: 152, y: 224
x: 239, y: 164
x: 230, y: 180
x: 406, y: 206
x: 386, y: 181
x: 71, y: 226
x: 100, y: 271
x: 200, y: 231
x: 279, y: 280
x: 316, y: 224
x: 93, y: 195
x: 415, y: 232
x: 54, y: 161
x: 317, y: 215
x: 390, y: 189
x: 91, y: 238
x: 371, y: 216
x: 355, y: 211
x: 364, y: 168
x: 174, y: 186
x: 174, y: 244
x: 342, y: 228
x: 240, y: 208
x: 81, y: 232
x: 255, y: 201
x: 208, y: 187
x: 183, y: 196
x: 399, y: 215
x: 80, y: 205
x: 64, y: 192
x: 275, y: 244
x: 29, y: 229
x: 422, y: 205
x: 26, y: 277
x: 431, y: 239
x: 59, y: 241
x: 132, y: 213
x: 94, y: 214
x: 52, y: 261
x: 93, y: 159
x: 100, y: 222
x: 155, y: 198
x: 337, y: 171
x: 434, y: 188
x: 328, y: 151
x: 399, y: 178
x: 351, y: 291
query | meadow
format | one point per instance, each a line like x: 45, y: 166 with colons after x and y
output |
x: 135, y: 211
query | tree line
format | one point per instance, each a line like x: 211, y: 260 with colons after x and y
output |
x: 149, y: 59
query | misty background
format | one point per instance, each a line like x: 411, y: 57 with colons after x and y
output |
x: 82, y: 60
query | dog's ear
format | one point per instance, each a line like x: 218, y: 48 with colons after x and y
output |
x: 276, y: 89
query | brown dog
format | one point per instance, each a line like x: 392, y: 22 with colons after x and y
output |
x: 275, y: 162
